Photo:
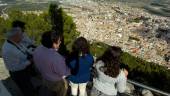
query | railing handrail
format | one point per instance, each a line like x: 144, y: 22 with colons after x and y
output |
x: 147, y: 87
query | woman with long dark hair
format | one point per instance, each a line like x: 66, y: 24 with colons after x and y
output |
x: 110, y: 78
x: 80, y: 64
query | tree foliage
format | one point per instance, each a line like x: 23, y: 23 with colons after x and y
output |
x: 35, y: 24
x: 64, y: 25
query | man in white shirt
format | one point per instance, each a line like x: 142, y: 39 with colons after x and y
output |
x: 16, y: 60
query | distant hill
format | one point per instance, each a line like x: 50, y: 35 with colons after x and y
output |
x: 26, y: 0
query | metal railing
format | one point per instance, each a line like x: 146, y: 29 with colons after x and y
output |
x: 149, y: 88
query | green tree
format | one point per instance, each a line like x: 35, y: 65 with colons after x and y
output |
x: 36, y: 25
x: 5, y: 24
x: 64, y: 25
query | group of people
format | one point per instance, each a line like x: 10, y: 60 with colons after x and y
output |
x: 59, y: 72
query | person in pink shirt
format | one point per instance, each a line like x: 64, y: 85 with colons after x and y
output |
x: 51, y: 64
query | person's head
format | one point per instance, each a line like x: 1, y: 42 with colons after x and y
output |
x: 111, y: 59
x: 18, y: 23
x: 51, y: 39
x: 15, y: 35
x: 81, y: 46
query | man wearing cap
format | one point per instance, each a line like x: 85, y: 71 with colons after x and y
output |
x: 17, y: 61
x: 26, y: 41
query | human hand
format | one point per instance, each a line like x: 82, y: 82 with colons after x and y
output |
x: 31, y: 60
x: 126, y: 72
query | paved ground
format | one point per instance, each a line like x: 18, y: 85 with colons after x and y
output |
x: 3, y: 72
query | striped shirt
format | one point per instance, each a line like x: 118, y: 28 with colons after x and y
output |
x: 14, y: 59
x: 26, y: 41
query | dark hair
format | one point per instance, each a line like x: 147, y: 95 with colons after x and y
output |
x: 18, y: 23
x: 80, y: 46
x: 111, y: 59
x: 49, y: 37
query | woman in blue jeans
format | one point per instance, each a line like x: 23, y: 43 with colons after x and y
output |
x: 80, y: 64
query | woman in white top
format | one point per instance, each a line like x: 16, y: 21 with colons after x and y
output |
x: 110, y: 78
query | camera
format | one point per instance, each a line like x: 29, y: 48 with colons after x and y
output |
x: 29, y: 56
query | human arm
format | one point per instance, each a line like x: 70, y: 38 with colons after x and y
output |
x: 14, y: 59
x: 89, y: 59
x: 121, y: 81
x: 59, y: 66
